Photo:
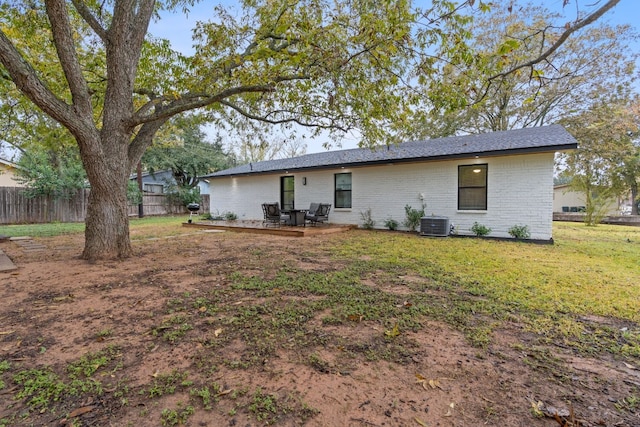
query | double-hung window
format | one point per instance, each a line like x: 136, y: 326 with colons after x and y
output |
x: 472, y: 187
x: 343, y: 190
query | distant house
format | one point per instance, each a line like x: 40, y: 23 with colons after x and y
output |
x: 566, y: 199
x: 496, y: 179
x: 158, y: 182
x: 8, y: 175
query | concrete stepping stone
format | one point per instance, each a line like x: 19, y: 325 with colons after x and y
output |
x: 5, y: 262
x: 28, y: 244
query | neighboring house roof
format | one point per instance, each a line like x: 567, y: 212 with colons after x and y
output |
x: 529, y: 140
x: 155, y: 175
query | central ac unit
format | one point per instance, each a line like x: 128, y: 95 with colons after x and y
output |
x: 434, y: 226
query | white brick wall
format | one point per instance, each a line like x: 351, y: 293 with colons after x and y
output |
x: 520, y: 191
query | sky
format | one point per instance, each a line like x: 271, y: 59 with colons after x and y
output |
x: 176, y: 27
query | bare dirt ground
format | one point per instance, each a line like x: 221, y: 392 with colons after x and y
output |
x: 178, y: 349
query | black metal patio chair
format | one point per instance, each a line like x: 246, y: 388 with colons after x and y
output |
x: 272, y: 214
x: 318, y: 215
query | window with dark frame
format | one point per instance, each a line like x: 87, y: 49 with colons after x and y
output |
x: 343, y: 190
x: 472, y: 187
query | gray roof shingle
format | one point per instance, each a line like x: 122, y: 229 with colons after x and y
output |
x: 528, y: 140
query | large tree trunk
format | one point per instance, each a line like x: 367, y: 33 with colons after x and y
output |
x: 107, y: 223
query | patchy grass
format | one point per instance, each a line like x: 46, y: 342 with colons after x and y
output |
x: 41, y: 387
x: 42, y: 230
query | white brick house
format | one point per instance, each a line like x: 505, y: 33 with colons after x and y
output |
x: 498, y: 179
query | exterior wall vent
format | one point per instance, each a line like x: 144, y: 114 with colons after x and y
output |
x: 434, y: 226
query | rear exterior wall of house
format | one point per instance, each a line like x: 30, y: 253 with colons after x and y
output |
x: 519, y: 192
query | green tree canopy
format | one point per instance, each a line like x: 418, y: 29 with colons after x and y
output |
x: 590, y: 65
x: 607, y: 161
x: 57, y: 174
x: 188, y: 155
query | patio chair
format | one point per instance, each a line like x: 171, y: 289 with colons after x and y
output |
x: 313, y: 207
x: 272, y: 214
x: 320, y: 214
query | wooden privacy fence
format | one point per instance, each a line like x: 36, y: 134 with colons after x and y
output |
x: 16, y: 208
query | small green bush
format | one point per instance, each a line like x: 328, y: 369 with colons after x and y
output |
x: 182, y: 196
x: 230, y: 216
x: 480, y: 230
x: 413, y: 216
x: 134, y: 195
x: 391, y: 224
x: 520, y: 231
x: 367, y: 221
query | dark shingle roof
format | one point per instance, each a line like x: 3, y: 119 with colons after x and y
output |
x: 528, y: 140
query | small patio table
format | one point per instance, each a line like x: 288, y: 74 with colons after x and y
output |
x: 296, y: 217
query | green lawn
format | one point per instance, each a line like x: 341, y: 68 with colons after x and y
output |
x: 555, y: 290
x: 58, y: 228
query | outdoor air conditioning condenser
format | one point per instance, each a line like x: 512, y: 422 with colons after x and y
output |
x: 434, y: 226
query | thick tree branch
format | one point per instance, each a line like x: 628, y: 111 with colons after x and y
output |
x: 143, y: 139
x: 91, y: 20
x: 266, y: 119
x: 141, y: 22
x: 65, y: 47
x: 27, y: 80
x: 165, y: 107
x: 563, y: 37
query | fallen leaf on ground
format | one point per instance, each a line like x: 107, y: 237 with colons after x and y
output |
x: 449, y: 411
x: 355, y: 317
x: 80, y: 411
x: 419, y: 421
x: 434, y: 384
x: 630, y: 366
x: 422, y: 380
x: 224, y: 392
x: 217, y: 332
